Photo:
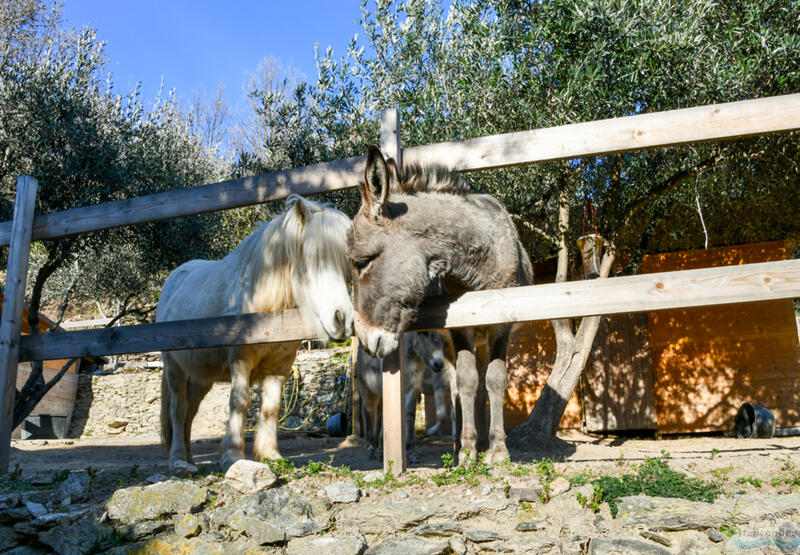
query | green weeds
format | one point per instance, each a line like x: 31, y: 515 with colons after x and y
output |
x: 653, y: 477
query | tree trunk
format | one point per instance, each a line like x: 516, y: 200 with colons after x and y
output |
x: 572, y: 352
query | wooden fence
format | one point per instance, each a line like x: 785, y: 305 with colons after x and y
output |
x: 711, y: 286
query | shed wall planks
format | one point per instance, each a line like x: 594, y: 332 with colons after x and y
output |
x: 708, y: 360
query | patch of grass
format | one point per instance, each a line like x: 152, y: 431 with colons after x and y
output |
x: 792, y: 474
x: 755, y: 482
x: 286, y: 470
x: 546, y: 471
x: 16, y: 473
x: 61, y: 476
x: 729, y: 530
x: 654, y: 477
x: 582, y: 478
x: 469, y: 472
x: 282, y: 468
x: 592, y: 503
x: 714, y: 453
x: 722, y: 473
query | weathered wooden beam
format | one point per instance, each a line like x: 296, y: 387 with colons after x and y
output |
x: 394, y: 451
x: 690, y: 125
x: 244, y: 329
x: 319, y: 178
x: 705, y: 287
x: 642, y: 293
x: 395, y: 459
x: 13, y: 304
x: 658, y: 129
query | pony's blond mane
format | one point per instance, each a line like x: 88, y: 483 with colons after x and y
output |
x: 271, y: 252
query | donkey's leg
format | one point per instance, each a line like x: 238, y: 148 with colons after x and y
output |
x: 467, y: 382
x: 412, y: 376
x: 373, y: 409
x: 178, y: 457
x: 195, y: 393
x: 496, y: 384
x: 233, y: 443
x: 440, y: 398
x: 266, y: 441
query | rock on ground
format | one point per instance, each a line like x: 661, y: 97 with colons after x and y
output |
x: 327, y: 545
x: 269, y: 517
x: 248, y: 476
x: 342, y: 492
x: 140, y: 503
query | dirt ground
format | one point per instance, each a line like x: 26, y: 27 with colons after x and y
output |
x: 703, y: 457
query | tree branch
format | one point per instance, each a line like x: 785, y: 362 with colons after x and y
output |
x: 530, y: 227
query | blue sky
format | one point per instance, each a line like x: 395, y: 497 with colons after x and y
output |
x: 194, y: 45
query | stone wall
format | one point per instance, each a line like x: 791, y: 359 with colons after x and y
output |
x: 126, y: 403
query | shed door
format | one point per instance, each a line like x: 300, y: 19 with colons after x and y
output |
x: 618, y: 381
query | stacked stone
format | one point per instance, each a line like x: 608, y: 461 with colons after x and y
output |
x: 126, y: 403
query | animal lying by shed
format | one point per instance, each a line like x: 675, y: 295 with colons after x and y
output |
x: 298, y: 259
x: 424, y: 223
x: 428, y: 369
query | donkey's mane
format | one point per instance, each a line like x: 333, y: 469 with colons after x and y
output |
x: 433, y: 178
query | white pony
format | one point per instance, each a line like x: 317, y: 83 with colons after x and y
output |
x: 298, y: 259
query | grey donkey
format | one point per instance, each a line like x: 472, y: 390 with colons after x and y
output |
x: 427, y: 368
x: 426, y: 223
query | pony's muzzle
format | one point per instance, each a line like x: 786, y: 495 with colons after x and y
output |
x: 341, y: 325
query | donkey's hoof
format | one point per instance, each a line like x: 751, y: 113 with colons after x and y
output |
x: 182, y: 468
x: 497, y: 455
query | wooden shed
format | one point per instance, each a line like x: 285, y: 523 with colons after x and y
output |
x: 673, y: 371
x: 60, y: 400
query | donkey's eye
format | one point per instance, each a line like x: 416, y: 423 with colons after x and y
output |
x: 361, y: 264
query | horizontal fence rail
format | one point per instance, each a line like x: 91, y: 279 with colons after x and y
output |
x: 235, y: 193
x: 687, y: 288
x: 643, y: 131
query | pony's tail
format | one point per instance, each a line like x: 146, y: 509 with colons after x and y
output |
x: 166, y: 421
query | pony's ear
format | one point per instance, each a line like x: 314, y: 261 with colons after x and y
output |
x: 301, y: 209
x: 376, y: 179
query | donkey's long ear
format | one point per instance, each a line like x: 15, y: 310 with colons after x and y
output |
x: 376, y: 178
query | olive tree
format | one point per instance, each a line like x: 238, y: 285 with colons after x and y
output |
x: 494, y: 66
x: 62, y: 122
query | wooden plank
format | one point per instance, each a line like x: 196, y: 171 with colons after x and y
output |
x: 60, y: 400
x: 530, y: 360
x: 318, y: 178
x: 95, y: 322
x: 707, y: 361
x: 13, y: 304
x: 644, y: 131
x: 689, y: 125
x: 705, y: 287
x: 243, y: 329
x: 394, y: 450
x: 618, y: 382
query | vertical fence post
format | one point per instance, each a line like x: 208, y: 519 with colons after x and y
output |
x: 11, y: 318
x: 394, y: 451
